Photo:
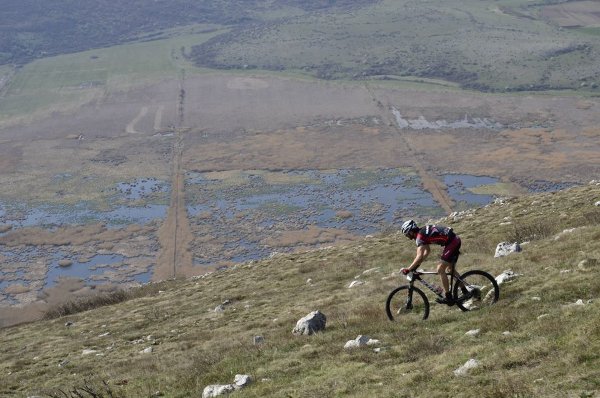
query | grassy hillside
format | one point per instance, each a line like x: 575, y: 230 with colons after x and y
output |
x: 552, y: 347
x: 484, y: 45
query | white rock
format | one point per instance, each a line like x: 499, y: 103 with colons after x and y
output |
x: 473, y: 333
x: 355, y: 283
x: 241, y: 381
x: 309, y: 281
x: 217, y: 389
x: 147, y: 350
x: 311, y: 323
x: 597, y: 203
x: 464, y: 369
x: 506, y: 333
x: 360, y: 341
x: 506, y: 276
x: 543, y: 316
x: 88, y: 352
x: 506, y: 248
x: 536, y: 298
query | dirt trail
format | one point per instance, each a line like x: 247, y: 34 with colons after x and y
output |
x: 437, y: 188
x: 175, y: 235
x: 130, y: 129
x: 158, y: 118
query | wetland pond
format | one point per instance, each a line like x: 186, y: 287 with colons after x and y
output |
x: 235, y: 217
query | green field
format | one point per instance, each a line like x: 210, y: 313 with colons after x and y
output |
x: 67, y: 81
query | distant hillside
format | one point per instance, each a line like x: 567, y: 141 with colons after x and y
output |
x: 482, y: 45
x: 505, y: 45
x: 32, y: 29
x: 175, y: 338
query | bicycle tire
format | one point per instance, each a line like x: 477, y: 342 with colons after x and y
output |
x: 396, y: 304
x: 483, y: 283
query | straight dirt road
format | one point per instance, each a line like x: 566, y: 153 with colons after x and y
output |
x: 175, y: 235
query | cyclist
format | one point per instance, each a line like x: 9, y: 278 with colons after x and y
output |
x: 434, y: 234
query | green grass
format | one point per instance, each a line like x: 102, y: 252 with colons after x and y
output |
x: 555, y: 355
x: 67, y: 81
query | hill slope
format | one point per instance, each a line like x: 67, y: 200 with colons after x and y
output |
x: 552, y: 348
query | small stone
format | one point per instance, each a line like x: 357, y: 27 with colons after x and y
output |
x: 543, y: 316
x: 147, y: 350
x: 360, y: 341
x: 355, y: 283
x: 506, y: 276
x: 216, y: 390
x: 469, y: 365
x: 258, y: 340
x: 241, y: 381
x: 506, y: 333
x: 473, y: 333
x: 88, y: 352
x: 505, y: 248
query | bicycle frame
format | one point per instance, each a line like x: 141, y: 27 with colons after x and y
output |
x: 431, y: 286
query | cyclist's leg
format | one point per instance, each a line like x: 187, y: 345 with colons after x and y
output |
x: 448, y: 261
x: 442, y: 270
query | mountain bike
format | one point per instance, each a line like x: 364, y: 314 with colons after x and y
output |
x: 472, y: 290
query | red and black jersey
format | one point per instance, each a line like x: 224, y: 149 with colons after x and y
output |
x: 434, y: 234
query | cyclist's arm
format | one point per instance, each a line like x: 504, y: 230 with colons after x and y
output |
x: 422, y: 253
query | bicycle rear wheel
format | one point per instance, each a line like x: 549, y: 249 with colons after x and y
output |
x: 481, y: 290
x: 406, y: 303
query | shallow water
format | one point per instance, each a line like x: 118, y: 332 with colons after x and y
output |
x: 459, y: 184
x: 353, y: 200
x: 97, y: 266
x: 137, y: 202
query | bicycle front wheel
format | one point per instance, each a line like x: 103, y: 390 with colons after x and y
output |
x: 475, y: 290
x: 407, y: 303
